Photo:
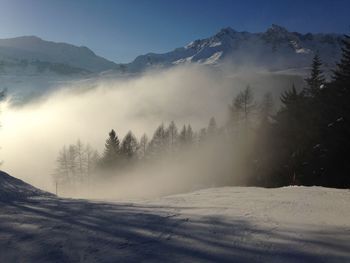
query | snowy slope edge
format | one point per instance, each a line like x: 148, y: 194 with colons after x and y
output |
x: 12, y: 189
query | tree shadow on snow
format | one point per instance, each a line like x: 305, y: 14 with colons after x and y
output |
x: 65, y: 230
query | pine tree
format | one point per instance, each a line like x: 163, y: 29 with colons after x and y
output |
x: 202, y: 135
x: 291, y: 132
x: 129, y: 146
x: 335, y: 124
x: 316, y: 79
x: 173, y: 135
x: 290, y: 97
x: 143, y: 146
x: 261, y: 169
x: 182, y: 136
x: 72, y: 162
x: 80, y: 159
x: 212, y: 127
x: 111, y: 152
x: 244, y: 106
x: 342, y: 73
x: 189, y: 135
x: 158, y: 143
x: 91, y: 158
x: 266, y: 107
x: 62, y: 171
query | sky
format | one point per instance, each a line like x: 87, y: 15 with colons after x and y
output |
x: 120, y: 30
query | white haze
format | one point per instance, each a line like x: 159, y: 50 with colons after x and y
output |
x: 32, y: 134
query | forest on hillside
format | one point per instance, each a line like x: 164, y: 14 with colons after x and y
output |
x: 305, y: 141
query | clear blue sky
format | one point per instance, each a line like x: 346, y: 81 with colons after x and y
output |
x: 122, y: 29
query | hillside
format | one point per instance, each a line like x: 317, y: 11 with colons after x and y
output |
x: 13, y: 189
x: 33, y: 55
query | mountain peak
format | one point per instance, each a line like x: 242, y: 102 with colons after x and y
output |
x: 31, y: 37
x: 263, y: 49
x: 226, y: 31
x: 277, y: 29
x: 277, y: 33
x: 21, y: 39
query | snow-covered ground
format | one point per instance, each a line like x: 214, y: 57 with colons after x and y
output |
x: 232, y: 224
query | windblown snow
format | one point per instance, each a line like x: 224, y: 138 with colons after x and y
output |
x: 231, y: 224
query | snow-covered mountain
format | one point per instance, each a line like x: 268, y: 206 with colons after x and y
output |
x: 30, y: 66
x: 276, y: 49
x: 30, y: 55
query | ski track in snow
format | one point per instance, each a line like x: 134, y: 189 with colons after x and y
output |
x: 230, y: 224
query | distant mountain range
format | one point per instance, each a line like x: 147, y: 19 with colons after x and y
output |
x: 30, y: 66
x: 32, y: 55
x: 276, y: 49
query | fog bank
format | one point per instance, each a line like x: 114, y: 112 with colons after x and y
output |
x: 32, y: 134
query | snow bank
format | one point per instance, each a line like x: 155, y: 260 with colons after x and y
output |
x: 14, y: 189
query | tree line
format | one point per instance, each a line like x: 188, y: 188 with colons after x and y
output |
x: 78, y: 162
x: 305, y: 141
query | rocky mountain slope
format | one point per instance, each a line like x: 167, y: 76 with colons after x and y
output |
x: 31, y: 67
x: 276, y: 49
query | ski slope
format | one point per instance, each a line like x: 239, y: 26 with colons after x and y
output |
x: 231, y: 224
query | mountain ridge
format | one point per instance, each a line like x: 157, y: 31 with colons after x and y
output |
x: 17, y: 54
x: 31, y: 66
x: 263, y: 49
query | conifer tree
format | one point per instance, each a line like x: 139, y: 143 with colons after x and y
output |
x: 266, y: 107
x: 80, y: 159
x: 342, y: 73
x: 91, y: 158
x: 173, y: 135
x: 143, y: 146
x: 212, y: 127
x: 72, y: 161
x: 335, y: 123
x: 158, y: 143
x: 316, y: 78
x: 129, y: 146
x: 182, y: 136
x: 189, y: 135
x: 111, y: 152
x: 291, y: 123
x: 202, y: 135
x: 62, y: 171
x: 243, y: 106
